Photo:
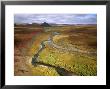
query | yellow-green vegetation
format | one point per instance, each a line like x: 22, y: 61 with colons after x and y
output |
x: 74, y: 62
x: 43, y: 71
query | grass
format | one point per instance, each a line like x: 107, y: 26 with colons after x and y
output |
x: 44, y: 71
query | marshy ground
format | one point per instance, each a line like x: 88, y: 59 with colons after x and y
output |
x: 72, y: 52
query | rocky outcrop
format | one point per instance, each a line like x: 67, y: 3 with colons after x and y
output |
x: 45, y: 24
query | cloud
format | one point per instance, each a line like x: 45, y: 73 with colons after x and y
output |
x: 56, y: 18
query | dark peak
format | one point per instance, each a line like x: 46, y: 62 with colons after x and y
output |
x: 45, y: 24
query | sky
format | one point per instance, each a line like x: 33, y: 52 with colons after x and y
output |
x: 56, y: 18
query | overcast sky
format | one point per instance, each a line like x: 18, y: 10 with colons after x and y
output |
x: 56, y: 18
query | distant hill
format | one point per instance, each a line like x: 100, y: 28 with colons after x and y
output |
x: 45, y: 24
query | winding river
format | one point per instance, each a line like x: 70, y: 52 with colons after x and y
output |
x: 61, y: 71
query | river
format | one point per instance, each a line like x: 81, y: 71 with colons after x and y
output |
x: 61, y: 71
